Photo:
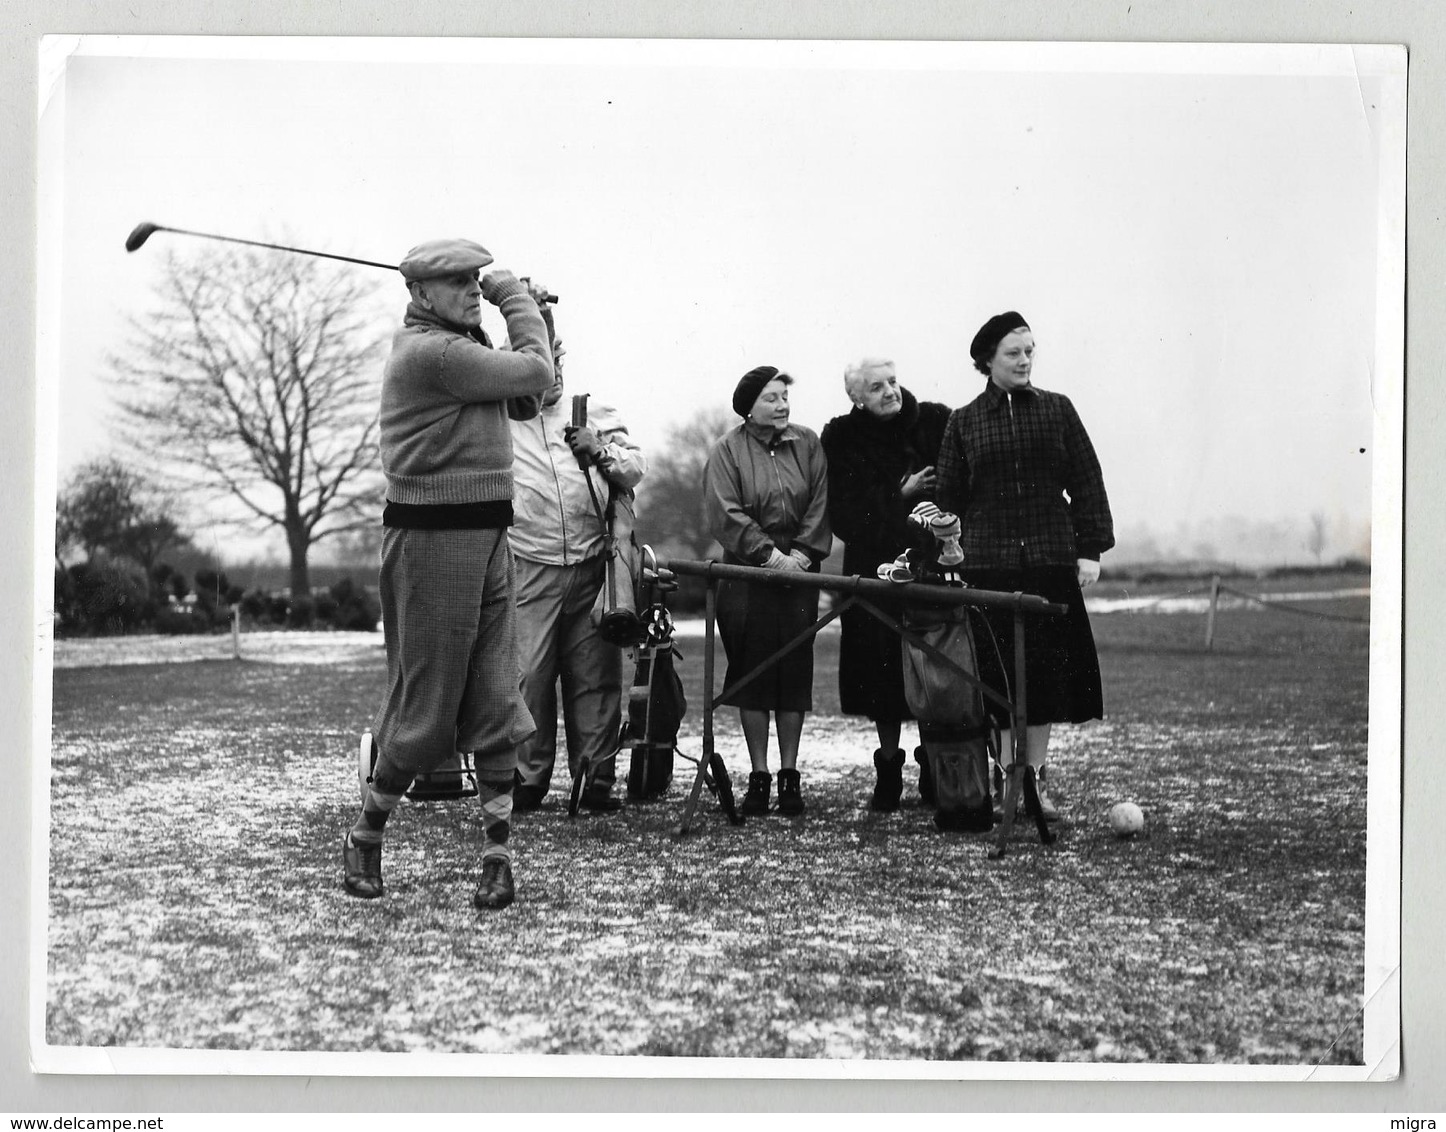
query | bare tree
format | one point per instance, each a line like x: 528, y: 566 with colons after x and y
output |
x: 670, y: 498
x: 255, y: 381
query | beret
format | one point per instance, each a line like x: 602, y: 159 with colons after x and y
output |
x: 993, y: 332
x: 443, y: 257
x: 750, y: 385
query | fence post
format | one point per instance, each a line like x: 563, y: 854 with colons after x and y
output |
x: 1210, y: 616
x: 236, y: 631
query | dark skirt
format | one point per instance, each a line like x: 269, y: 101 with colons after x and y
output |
x: 754, y: 622
x: 871, y: 666
x: 1061, y: 667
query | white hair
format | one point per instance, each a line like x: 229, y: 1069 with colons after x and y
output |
x: 855, y: 373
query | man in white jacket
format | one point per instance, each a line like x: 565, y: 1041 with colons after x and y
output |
x: 560, y: 547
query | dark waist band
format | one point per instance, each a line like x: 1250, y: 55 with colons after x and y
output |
x: 483, y: 516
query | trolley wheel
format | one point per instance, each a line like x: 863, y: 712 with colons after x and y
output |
x: 366, y: 762
x: 579, y: 782
x: 724, y: 786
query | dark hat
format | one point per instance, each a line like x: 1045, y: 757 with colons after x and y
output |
x: 992, y: 333
x: 443, y: 257
x: 750, y: 385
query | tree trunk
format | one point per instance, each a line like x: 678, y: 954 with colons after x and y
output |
x: 299, y: 544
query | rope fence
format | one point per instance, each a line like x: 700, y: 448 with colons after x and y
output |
x: 1217, y: 588
x: 1281, y: 607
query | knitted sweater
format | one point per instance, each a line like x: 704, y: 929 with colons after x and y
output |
x: 445, y: 436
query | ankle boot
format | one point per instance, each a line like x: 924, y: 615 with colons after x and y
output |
x: 790, y: 798
x: 889, y: 786
x: 926, y: 777
x: 756, y: 800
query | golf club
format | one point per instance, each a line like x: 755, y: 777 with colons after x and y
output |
x: 145, y: 230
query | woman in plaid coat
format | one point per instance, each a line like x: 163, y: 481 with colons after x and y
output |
x: 1017, y: 467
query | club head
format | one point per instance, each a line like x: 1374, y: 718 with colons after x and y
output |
x: 140, y: 234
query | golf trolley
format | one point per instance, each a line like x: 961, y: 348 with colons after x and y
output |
x: 1020, y: 778
x: 655, y: 709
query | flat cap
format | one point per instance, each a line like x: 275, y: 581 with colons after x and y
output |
x: 443, y: 257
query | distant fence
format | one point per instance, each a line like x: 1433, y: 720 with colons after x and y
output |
x: 1208, y: 599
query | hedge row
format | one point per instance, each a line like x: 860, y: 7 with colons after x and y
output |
x: 102, y: 599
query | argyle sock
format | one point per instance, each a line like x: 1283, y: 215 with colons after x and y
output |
x: 383, y: 794
x: 495, y: 795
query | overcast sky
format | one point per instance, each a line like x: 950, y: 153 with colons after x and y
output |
x: 1194, y: 233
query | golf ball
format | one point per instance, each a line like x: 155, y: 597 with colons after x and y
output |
x: 1126, y: 819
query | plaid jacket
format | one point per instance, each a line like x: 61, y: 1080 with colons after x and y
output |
x: 1020, y: 472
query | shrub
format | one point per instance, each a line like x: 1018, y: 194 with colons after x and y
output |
x: 100, y: 598
x: 302, y: 612
x: 326, y: 607
x: 215, y: 589
x: 181, y: 619
x: 256, y: 604
x: 354, y: 607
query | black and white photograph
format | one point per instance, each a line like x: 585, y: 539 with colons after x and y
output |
x: 719, y: 558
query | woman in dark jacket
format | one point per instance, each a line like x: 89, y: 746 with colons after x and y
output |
x: 766, y: 499
x: 1019, y: 470
x: 881, y: 457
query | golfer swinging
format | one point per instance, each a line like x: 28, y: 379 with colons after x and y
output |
x: 447, y: 599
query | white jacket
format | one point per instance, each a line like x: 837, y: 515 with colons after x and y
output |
x: 554, y: 521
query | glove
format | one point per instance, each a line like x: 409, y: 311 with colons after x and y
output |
x: 582, y: 440
x: 801, y: 557
x: 1087, y: 571
x: 777, y: 560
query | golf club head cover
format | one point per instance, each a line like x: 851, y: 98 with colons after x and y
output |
x: 923, y: 513
x: 899, y: 570
x: 946, y: 529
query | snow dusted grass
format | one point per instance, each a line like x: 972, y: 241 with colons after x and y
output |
x: 197, y: 807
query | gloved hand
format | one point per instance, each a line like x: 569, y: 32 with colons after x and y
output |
x: 1087, y: 571
x: 801, y: 557
x: 777, y: 560
x: 582, y: 440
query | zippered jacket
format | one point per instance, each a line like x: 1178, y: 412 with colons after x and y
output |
x: 1020, y: 472
x: 554, y: 519
x: 763, y: 492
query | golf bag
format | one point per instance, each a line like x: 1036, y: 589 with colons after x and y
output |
x: 615, y: 613
x: 953, y: 724
x: 656, y: 706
